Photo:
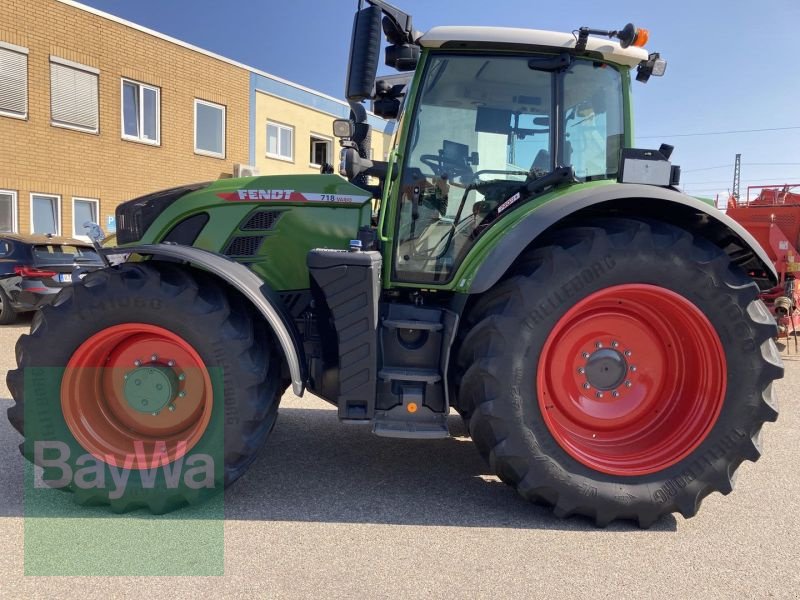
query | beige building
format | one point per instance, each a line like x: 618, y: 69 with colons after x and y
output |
x: 95, y: 110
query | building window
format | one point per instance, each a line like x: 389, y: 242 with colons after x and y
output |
x: 141, y: 112
x: 209, y: 128
x: 320, y: 151
x: 45, y: 214
x: 73, y: 95
x: 83, y: 210
x: 13, y: 81
x: 8, y: 211
x: 280, y: 141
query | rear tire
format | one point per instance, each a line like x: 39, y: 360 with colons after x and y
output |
x: 7, y: 314
x: 188, y: 314
x: 655, y: 464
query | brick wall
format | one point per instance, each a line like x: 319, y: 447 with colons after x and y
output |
x: 38, y: 157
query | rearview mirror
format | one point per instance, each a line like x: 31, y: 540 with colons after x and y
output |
x: 493, y: 120
x: 94, y: 232
x: 365, y: 50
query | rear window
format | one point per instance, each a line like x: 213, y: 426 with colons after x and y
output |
x: 58, y: 254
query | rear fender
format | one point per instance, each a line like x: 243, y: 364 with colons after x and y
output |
x: 242, y: 279
x: 625, y: 200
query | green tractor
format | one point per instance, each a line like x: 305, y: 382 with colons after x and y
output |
x: 514, y: 259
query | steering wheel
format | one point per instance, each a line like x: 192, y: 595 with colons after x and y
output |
x: 431, y: 161
x: 440, y: 166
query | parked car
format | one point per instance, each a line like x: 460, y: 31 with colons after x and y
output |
x: 34, y: 268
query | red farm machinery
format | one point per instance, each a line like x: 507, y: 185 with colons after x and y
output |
x: 771, y: 213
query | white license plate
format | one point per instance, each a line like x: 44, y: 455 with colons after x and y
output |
x: 65, y: 277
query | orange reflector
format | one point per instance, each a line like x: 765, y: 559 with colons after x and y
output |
x: 412, y: 407
x: 642, y: 35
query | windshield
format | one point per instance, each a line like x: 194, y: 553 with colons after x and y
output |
x: 484, y: 126
x: 59, y: 254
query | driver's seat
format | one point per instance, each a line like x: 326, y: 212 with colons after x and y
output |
x: 541, y: 162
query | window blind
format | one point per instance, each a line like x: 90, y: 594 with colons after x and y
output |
x: 73, y: 97
x: 13, y: 82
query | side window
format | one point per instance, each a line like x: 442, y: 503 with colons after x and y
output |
x: 594, y: 121
x: 46, y: 214
x: 320, y: 151
x: 140, y: 112
x: 209, y: 129
x: 280, y: 141
x: 5, y: 249
x: 83, y: 210
x: 8, y: 211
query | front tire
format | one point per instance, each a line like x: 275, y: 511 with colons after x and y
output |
x: 208, y: 378
x: 622, y: 371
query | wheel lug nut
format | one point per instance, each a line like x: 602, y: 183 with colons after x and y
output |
x: 154, y: 358
x: 181, y: 377
x: 633, y: 368
x: 137, y: 363
x: 171, y: 408
x: 171, y: 363
x: 181, y: 394
x: 598, y: 344
x: 599, y: 394
x: 628, y: 384
x: 585, y: 355
x: 586, y: 386
x: 628, y: 352
x: 155, y: 414
x: 615, y: 394
x: 615, y: 344
x: 581, y: 370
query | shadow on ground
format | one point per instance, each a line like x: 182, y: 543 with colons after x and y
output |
x: 315, y: 469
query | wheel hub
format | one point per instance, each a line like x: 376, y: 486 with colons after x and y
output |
x: 606, y: 369
x: 150, y: 389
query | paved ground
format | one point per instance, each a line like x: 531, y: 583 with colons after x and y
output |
x: 331, y: 511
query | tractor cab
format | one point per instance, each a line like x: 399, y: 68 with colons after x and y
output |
x: 494, y: 117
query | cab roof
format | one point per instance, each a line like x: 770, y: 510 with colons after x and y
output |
x: 610, y: 50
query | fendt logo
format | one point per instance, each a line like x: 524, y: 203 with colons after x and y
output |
x: 290, y: 196
x: 255, y: 195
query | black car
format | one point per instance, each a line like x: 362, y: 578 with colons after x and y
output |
x: 34, y: 268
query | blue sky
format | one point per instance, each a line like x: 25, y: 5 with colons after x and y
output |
x: 732, y: 63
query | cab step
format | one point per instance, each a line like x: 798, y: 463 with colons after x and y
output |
x: 432, y: 427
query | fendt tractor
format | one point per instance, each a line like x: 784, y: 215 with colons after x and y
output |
x: 515, y: 259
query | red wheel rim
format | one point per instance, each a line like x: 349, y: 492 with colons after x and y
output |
x: 631, y: 380
x: 109, y: 421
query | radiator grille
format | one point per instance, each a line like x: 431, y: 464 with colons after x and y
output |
x: 262, y: 220
x: 245, y: 245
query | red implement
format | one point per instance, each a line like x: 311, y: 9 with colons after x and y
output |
x: 772, y: 215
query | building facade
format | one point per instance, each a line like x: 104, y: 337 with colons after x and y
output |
x: 95, y: 110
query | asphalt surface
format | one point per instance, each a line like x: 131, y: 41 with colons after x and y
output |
x: 332, y: 511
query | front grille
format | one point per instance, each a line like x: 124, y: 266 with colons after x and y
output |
x: 262, y: 220
x: 245, y: 245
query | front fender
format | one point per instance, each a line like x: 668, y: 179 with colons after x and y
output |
x: 620, y: 200
x: 250, y: 286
